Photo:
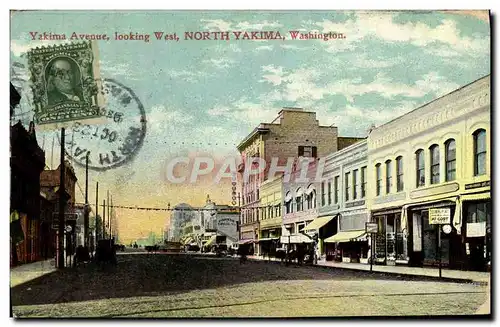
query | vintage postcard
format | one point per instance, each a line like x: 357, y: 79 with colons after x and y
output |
x: 243, y: 164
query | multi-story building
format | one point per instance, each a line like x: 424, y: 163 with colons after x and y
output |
x: 179, y: 215
x: 27, y: 161
x: 300, y: 204
x: 294, y: 133
x: 270, y: 214
x: 49, y: 186
x: 436, y: 156
x: 342, y: 211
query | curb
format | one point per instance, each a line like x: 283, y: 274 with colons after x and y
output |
x: 387, y: 273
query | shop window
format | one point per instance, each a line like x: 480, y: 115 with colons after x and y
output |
x: 399, y: 174
x: 363, y: 182
x: 329, y: 192
x: 451, y: 160
x: 479, y: 152
x: 355, y: 184
x: 434, y: 152
x: 420, y: 168
x: 388, y: 176
x: 347, y: 186
x: 478, y: 212
x: 378, y: 173
x: 337, y: 187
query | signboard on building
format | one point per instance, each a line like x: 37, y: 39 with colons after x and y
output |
x: 476, y: 229
x: 477, y: 185
x: 371, y: 227
x: 439, y: 216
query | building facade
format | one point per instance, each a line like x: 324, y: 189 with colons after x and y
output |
x: 435, y: 157
x: 27, y: 161
x: 294, y: 133
x: 342, y: 209
x: 271, y: 215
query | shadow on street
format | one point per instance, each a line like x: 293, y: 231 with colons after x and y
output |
x: 162, y: 274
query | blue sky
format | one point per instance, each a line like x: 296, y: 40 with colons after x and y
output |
x: 216, y: 92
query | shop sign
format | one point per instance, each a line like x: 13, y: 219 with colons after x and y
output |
x: 476, y: 229
x: 477, y: 185
x: 371, y: 227
x: 355, y: 204
x: 439, y: 216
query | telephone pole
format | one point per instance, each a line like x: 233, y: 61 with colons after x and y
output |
x: 96, y: 213
x: 62, y: 202
x: 86, y: 212
x: 108, y: 213
x: 104, y: 219
x: 111, y: 213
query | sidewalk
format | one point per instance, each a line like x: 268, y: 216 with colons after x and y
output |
x: 29, y: 271
x: 474, y: 276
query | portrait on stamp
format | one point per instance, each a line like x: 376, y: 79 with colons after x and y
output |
x: 65, y: 82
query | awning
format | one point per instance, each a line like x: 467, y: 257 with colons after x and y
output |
x: 318, y: 223
x: 347, y: 236
x: 268, y: 239
x: 188, y: 240
x: 476, y: 197
x: 288, y: 197
x: 247, y: 241
x: 211, y: 240
x: 310, y: 189
x: 299, y: 192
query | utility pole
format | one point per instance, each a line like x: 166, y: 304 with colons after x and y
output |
x: 62, y: 202
x: 96, y: 213
x: 86, y: 212
x: 104, y: 219
x: 111, y: 213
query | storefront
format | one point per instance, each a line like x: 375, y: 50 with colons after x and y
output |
x: 390, y: 244
x: 477, y: 231
x: 269, y: 241
x: 324, y: 227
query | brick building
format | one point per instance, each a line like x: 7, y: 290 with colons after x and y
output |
x: 27, y: 161
x: 294, y: 133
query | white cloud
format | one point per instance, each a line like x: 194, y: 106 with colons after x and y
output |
x: 160, y: 118
x: 383, y: 27
x: 264, y: 48
x: 246, y: 111
x: 362, y: 61
x: 436, y: 84
x: 289, y: 46
x: 187, y: 75
x: 221, y: 63
x: 258, y: 26
x: 217, y: 24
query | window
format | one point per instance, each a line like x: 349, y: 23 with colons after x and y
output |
x: 451, y: 160
x: 336, y: 186
x: 308, y: 151
x: 478, y: 212
x: 399, y: 174
x: 388, y: 176
x: 323, y: 194
x: 288, y: 203
x: 378, y: 174
x: 434, y: 149
x: 355, y: 184
x: 420, y: 168
x: 347, y: 186
x: 363, y: 182
x: 329, y: 192
x: 299, y: 200
x: 479, y: 152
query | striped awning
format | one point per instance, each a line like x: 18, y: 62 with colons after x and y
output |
x: 476, y: 197
x: 318, y: 223
x: 188, y: 240
x: 347, y: 236
x: 247, y: 241
x: 268, y: 239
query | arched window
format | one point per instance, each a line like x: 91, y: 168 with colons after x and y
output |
x: 378, y: 174
x: 451, y: 160
x: 288, y: 203
x: 388, y: 176
x: 434, y: 150
x: 399, y: 174
x: 299, y: 199
x: 420, y: 167
x: 479, y: 152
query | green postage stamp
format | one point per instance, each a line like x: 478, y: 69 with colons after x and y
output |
x: 65, y: 82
